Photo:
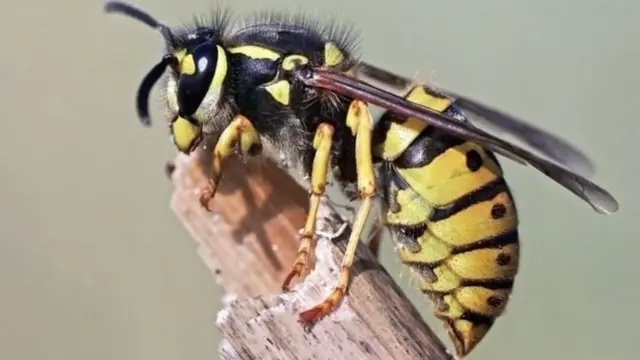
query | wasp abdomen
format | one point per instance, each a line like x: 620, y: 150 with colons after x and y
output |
x: 454, y: 222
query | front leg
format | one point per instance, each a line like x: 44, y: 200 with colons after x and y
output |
x: 241, y: 131
x: 322, y: 143
x: 360, y: 121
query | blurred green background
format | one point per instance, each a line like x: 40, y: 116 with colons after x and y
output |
x: 93, y: 264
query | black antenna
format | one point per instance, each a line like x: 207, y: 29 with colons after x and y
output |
x: 142, y: 97
x: 140, y: 15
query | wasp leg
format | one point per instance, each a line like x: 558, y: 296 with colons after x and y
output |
x: 239, y: 130
x: 322, y: 143
x: 361, y: 124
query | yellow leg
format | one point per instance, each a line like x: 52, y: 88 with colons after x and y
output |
x: 361, y: 124
x: 240, y: 130
x: 322, y: 143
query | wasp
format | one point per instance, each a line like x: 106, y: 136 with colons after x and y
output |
x: 296, y: 86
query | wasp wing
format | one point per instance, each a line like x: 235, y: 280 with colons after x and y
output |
x: 599, y: 199
x: 551, y: 155
x: 532, y: 139
x: 575, y: 181
x: 536, y: 139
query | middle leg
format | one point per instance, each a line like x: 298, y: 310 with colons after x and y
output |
x: 322, y: 142
x: 361, y: 123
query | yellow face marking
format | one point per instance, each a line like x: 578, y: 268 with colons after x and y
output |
x: 187, y: 65
x: 399, y: 136
x: 332, y: 55
x: 184, y: 134
x: 221, y: 70
x: 255, y: 52
x: 447, y: 177
x: 290, y: 62
x: 180, y: 54
x: 280, y: 91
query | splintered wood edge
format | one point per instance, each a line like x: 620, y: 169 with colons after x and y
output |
x: 259, y: 321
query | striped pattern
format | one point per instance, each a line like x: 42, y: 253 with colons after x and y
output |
x: 454, y: 222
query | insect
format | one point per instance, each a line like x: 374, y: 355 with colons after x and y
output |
x: 295, y: 86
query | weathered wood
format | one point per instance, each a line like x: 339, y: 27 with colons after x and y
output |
x: 250, y: 241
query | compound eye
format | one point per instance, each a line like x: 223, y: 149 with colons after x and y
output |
x: 197, y: 70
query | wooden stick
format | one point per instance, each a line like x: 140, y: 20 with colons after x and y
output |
x: 249, y: 243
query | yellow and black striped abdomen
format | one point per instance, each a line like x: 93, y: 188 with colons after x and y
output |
x: 453, y: 219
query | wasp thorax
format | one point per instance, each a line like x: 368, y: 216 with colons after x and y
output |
x: 201, y: 73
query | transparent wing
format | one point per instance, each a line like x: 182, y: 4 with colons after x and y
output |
x: 531, y: 138
x: 551, y: 155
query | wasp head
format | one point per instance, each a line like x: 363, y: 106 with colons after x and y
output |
x: 198, y: 65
